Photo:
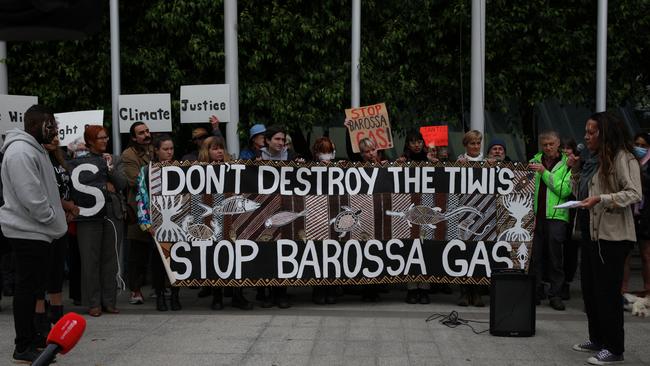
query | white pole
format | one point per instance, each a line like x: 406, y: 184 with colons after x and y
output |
x: 4, y: 79
x: 355, y: 91
x: 115, y: 75
x: 232, y: 75
x: 477, y: 111
x: 601, y: 58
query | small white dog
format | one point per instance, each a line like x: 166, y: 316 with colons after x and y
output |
x: 639, y: 306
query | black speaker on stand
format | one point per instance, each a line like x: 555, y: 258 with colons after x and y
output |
x: 512, y: 304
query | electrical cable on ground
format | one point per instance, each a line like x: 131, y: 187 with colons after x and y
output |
x: 453, y: 320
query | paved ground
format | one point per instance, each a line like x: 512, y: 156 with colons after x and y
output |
x: 349, y: 333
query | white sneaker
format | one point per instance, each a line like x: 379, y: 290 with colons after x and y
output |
x: 136, y: 298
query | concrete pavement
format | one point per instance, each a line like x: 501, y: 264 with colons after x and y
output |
x: 390, y: 332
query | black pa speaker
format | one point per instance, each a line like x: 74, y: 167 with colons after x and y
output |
x: 512, y: 304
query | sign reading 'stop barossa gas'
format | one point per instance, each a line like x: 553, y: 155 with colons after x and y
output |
x: 277, y: 223
x: 369, y: 122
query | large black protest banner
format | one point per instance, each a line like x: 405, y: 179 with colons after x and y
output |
x: 286, y: 223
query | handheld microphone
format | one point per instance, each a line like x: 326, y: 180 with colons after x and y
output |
x: 579, y: 148
x: 62, y: 338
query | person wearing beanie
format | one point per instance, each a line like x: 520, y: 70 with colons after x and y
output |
x: 255, y: 142
x: 496, y: 151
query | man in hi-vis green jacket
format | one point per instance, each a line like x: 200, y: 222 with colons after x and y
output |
x: 552, y: 188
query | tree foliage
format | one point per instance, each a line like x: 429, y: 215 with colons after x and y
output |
x: 542, y: 49
x: 294, y: 58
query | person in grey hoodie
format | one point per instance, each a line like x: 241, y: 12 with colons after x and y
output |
x: 31, y: 217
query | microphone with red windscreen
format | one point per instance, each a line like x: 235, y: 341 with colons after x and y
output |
x: 62, y: 338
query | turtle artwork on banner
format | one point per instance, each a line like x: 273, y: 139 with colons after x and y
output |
x: 263, y: 223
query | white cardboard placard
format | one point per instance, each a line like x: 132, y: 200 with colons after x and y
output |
x: 12, y: 111
x: 199, y: 102
x: 73, y: 124
x: 153, y: 109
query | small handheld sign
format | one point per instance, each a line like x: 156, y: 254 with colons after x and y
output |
x: 371, y: 122
x: 73, y: 124
x: 199, y: 102
x: 435, y: 135
x: 12, y: 110
x: 152, y: 109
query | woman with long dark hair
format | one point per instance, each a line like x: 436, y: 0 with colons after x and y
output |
x: 163, y: 150
x: 414, y: 149
x: 608, y: 184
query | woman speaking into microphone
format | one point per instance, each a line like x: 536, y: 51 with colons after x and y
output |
x: 608, y: 184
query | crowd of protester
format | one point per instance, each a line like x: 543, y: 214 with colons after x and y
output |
x: 43, y: 232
